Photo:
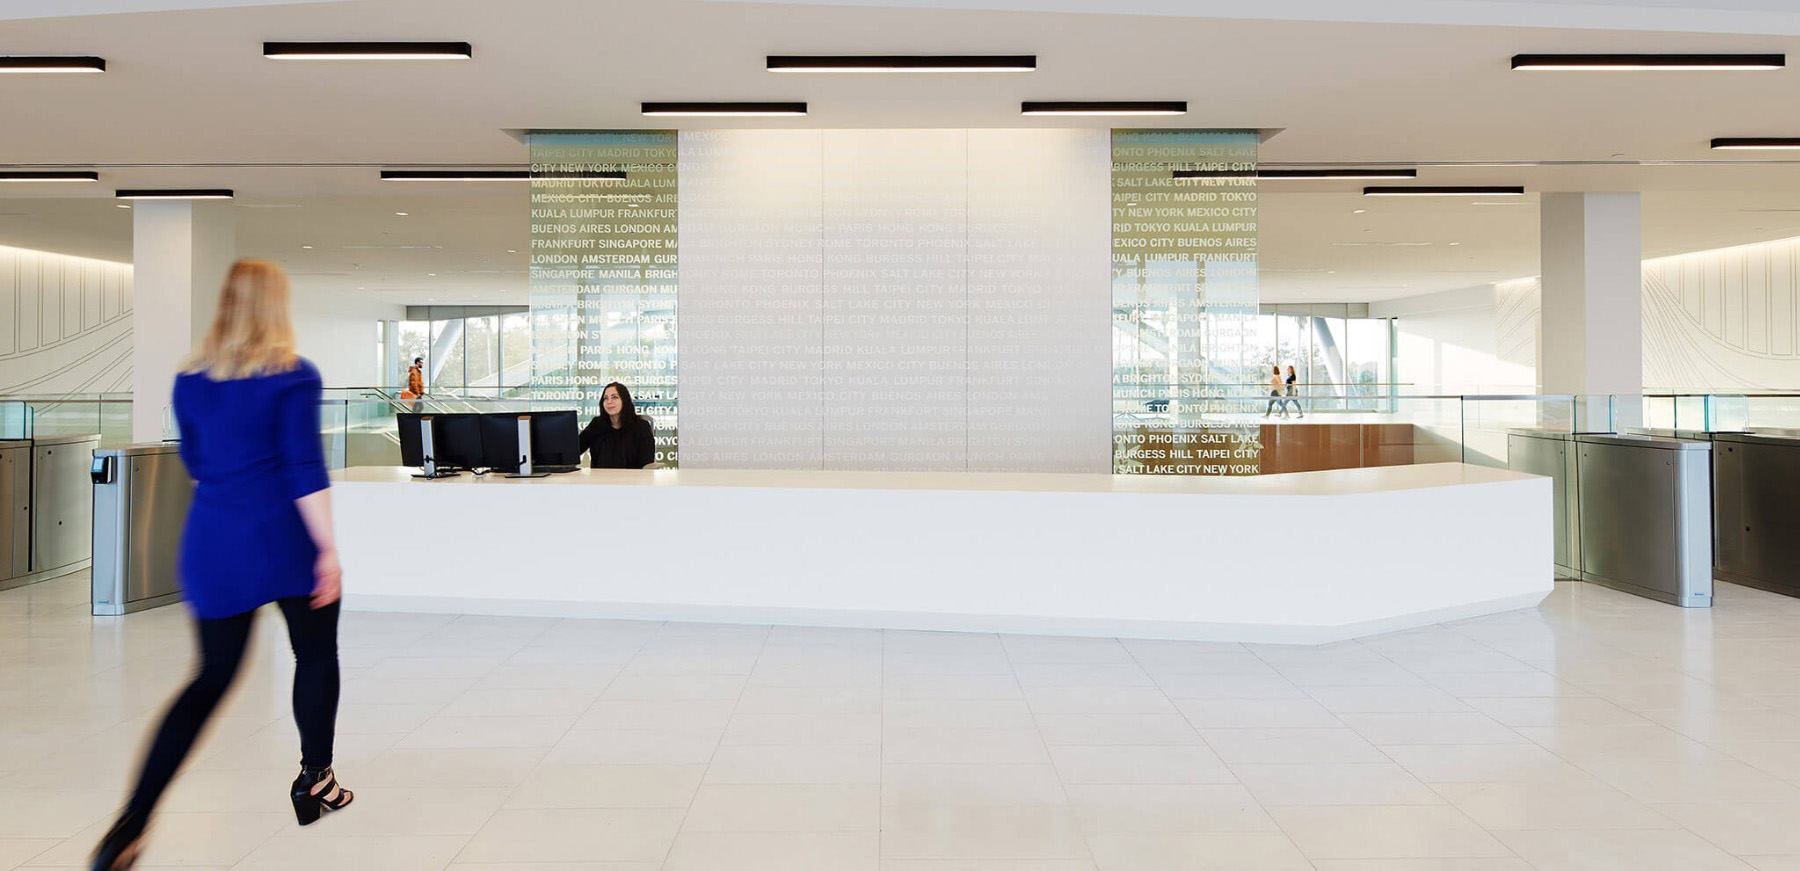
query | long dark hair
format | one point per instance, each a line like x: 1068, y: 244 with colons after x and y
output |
x: 628, y: 416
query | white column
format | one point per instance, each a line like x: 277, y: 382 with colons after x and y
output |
x: 180, y: 252
x: 1592, y: 323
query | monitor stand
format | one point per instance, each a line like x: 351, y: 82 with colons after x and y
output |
x: 525, y: 469
x: 430, y: 471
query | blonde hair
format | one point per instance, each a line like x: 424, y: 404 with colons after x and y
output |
x: 251, y: 334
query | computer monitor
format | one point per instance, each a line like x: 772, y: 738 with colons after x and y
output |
x: 458, y: 441
x: 500, y: 441
x: 412, y: 449
x: 455, y: 440
x: 555, y: 438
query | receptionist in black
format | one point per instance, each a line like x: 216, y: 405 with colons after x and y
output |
x: 618, y: 438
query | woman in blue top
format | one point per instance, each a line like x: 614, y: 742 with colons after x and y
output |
x: 259, y: 531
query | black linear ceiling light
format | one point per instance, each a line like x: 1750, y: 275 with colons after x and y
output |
x: 1299, y: 174
x: 1639, y: 62
x: 48, y: 64
x: 725, y: 110
x: 1756, y: 143
x: 903, y: 63
x: 367, y: 50
x: 495, y: 174
x: 1104, y: 107
x: 57, y: 175
x: 1446, y: 191
x: 175, y: 194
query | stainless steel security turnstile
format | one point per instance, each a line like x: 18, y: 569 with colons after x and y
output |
x: 1644, y: 507
x: 62, y: 512
x: 1552, y: 454
x: 1756, y: 493
x: 141, y: 497
x: 15, y: 510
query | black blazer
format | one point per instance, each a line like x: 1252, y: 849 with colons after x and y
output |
x: 631, y: 447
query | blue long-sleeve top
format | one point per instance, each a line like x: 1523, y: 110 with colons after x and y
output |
x: 252, y: 446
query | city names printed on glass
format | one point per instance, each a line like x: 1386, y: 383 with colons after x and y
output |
x: 1184, y: 295
x: 604, y: 270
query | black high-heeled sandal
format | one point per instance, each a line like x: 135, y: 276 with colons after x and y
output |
x: 119, y: 850
x: 311, y: 795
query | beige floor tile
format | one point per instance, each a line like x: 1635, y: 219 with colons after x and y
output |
x: 634, y: 747
x: 1385, y: 832
x: 221, y: 839
x: 804, y: 729
x: 1619, y: 850
x: 963, y: 714
x: 542, y: 835
x: 785, y: 808
x: 308, y: 851
x: 987, y: 865
x: 443, y: 733
x: 608, y: 786
x: 961, y: 784
x: 1116, y: 729
x: 1197, y: 851
x: 759, y: 699
x: 461, y: 768
x: 15, y: 852
x: 1294, y: 746
x: 521, y: 702
x: 1482, y: 763
x: 696, y: 714
x: 1139, y: 764
x: 1488, y: 864
x: 1432, y: 728
x: 983, y: 746
x: 775, y: 851
x: 1387, y: 700
x: 1742, y: 828
x: 797, y: 763
x: 1372, y: 784
x: 1550, y: 805
x: 999, y: 832
x: 1098, y: 700
x: 1258, y: 714
x: 1167, y: 808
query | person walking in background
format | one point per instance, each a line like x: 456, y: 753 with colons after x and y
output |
x: 1293, y: 394
x: 259, y: 531
x: 1275, y: 391
x: 415, y: 384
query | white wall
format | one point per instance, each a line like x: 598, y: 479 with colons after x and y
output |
x: 895, y: 299
x: 1475, y: 340
x: 1722, y: 320
x: 65, y: 324
x: 338, y: 335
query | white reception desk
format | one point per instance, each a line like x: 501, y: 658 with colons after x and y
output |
x: 1299, y: 558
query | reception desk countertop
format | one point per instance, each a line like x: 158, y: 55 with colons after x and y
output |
x: 1331, y: 483
x: 1297, y: 558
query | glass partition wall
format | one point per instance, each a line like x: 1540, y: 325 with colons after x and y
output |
x: 467, y: 352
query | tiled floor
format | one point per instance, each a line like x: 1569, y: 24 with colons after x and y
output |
x: 1600, y: 731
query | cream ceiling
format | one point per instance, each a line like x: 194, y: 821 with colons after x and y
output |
x: 188, y: 100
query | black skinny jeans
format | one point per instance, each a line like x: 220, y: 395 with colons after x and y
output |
x: 313, y: 634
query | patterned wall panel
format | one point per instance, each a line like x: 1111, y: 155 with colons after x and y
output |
x: 65, y: 324
x: 1723, y: 320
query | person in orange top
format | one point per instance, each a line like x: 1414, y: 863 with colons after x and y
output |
x: 415, y: 383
